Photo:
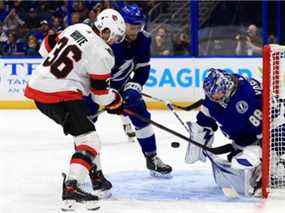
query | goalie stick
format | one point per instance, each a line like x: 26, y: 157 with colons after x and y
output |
x: 171, y: 106
x: 215, y: 150
x: 186, y: 108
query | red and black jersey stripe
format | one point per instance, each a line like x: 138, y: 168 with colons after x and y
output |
x: 50, y: 41
x: 99, y: 84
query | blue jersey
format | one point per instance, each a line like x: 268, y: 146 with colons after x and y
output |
x: 131, y: 57
x: 240, y: 118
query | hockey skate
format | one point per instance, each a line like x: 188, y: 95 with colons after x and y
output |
x: 75, y: 198
x: 130, y: 132
x: 157, y: 168
x: 101, y: 186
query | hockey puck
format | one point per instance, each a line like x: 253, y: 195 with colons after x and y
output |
x: 175, y: 144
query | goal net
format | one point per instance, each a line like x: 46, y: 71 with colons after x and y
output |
x: 273, y: 142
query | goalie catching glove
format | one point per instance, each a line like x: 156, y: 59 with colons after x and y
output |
x: 202, y: 135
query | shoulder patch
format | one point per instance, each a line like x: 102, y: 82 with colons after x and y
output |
x: 241, y: 106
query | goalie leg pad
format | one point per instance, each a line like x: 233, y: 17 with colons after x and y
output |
x: 248, y: 158
x: 244, y: 182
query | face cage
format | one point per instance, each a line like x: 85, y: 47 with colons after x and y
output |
x: 211, y: 94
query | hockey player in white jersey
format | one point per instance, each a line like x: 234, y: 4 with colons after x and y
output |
x: 80, y: 63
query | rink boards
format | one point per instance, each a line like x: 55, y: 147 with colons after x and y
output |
x: 175, y: 79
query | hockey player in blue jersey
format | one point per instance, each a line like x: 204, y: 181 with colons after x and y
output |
x: 232, y: 103
x: 131, y: 71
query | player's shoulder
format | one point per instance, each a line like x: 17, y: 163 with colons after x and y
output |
x: 250, y: 85
x: 144, y: 36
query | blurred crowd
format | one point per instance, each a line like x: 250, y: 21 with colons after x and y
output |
x: 24, y: 24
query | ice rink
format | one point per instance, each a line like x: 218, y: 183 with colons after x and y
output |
x: 34, y: 152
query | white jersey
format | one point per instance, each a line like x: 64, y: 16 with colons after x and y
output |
x: 79, y: 62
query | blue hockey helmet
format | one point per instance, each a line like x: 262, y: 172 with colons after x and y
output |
x: 218, y: 85
x: 132, y: 14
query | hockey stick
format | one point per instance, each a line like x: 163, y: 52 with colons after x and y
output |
x: 215, y: 150
x: 230, y: 191
x: 186, y: 108
x: 170, y: 106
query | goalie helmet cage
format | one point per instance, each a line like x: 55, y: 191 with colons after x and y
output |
x: 273, y: 140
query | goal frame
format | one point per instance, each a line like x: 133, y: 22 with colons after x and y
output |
x: 273, y: 63
x: 266, y: 80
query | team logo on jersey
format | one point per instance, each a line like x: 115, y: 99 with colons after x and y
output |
x: 115, y: 18
x: 110, y: 51
x: 242, y: 107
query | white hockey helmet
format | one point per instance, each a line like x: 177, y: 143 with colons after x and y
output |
x: 112, y: 20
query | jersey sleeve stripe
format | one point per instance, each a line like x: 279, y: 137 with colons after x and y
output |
x: 99, y: 92
x: 139, y: 65
x: 47, y: 46
x: 100, y: 76
x: 54, y: 97
x: 50, y: 41
x: 99, y: 84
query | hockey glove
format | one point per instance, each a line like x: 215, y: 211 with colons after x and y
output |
x: 131, y: 94
x: 116, y: 107
x: 202, y: 135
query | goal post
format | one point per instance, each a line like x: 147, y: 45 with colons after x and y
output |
x: 273, y: 125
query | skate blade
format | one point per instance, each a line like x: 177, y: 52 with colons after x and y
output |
x: 102, y: 194
x: 160, y: 175
x: 72, y: 206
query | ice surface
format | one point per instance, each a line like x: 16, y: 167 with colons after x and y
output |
x: 34, y: 152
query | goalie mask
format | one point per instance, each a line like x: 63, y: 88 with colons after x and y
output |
x: 218, y: 85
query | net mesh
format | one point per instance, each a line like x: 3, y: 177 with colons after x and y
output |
x: 277, y: 117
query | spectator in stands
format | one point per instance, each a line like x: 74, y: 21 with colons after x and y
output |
x: 181, y: 44
x: 3, y: 11
x: 57, y: 24
x: 22, y: 33
x: 94, y: 12
x: 12, y: 21
x: 42, y: 31
x: 12, y: 47
x: 43, y: 10
x: 80, y: 10
x: 161, y: 44
x: 33, y: 19
x: 3, y: 36
x: 96, y: 9
x: 272, y: 39
x: 21, y: 7
x: 75, y: 18
x: 32, y: 46
x: 249, y: 43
